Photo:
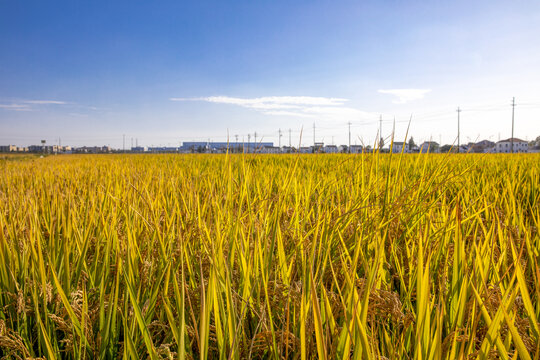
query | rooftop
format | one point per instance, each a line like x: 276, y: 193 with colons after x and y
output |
x: 510, y: 140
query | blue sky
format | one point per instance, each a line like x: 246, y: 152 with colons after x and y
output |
x: 167, y: 72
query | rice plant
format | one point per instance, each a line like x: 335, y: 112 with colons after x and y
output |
x: 373, y: 256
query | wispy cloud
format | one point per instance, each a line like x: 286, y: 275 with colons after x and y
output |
x: 45, y: 102
x: 269, y: 101
x: 29, y: 105
x: 15, y: 107
x: 293, y: 106
x: 287, y: 113
x: 405, y: 95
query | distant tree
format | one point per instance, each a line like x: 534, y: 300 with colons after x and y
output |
x: 446, y: 148
x: 411, y: 143
x: 381, y: 143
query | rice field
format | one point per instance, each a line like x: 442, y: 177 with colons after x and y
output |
x: 379, y: 256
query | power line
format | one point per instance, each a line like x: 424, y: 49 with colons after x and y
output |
x: 512, y: 138
x: 349, y: 148
x: 289, y: 137
x: 458, y: 112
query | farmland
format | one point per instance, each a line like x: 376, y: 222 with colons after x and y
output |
x: 427, y: 256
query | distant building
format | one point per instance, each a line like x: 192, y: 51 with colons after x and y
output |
x: 139, y: 149
x: 398, y: 147
x: 203, y: 146
x: 356, y: 149
x: 317, y: 147
x: 331, y: 149
x: 93, y: 150
x: 67, y: 149
x: 36, y: 148
x: 429, y: 146
x: 287, y: 149
x: 8, y: 148
x: 505, y: 146
x: 46, y: 149
x: 163, y: 149
x: 305, y: 150
x: 269, y: 150
x: 482, y: 146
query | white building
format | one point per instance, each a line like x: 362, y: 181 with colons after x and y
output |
x: 397, y: 147
x: 429, y: 146
x: 505, y: 146
x: 356, y: 149
x: 269, y: 150
x: 331, y: 149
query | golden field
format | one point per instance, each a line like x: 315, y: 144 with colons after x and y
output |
x: 378, y: 256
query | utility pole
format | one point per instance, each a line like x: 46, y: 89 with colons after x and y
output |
x: 313, y: 135
x: 512, y: 138
x: 255, y: 141
x: 124, y: 143
x: 458, y: 144
x: 249, y: 140
x: 349, y: 148
x: 279, y: 138
x: 136, y: 142
x: 290, y: 138
x: 236, y: 137
x: 380, y: 131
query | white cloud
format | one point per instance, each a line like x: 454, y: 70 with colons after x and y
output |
x: 405, y: 95
x: 346, y: 112
x: 294, y: 106
x: 15, y: 107
x: 45, y: 102
x: 266, y: 102
x: 29, y: 105
x: 287, y: 113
